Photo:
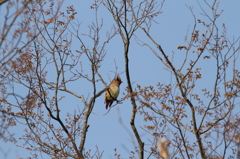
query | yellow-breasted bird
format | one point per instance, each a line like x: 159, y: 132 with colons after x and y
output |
x: 112, y: 92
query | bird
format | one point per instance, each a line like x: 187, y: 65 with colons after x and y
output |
x: 112, y: 92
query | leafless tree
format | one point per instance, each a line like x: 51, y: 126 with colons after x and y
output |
x: 39, y: 67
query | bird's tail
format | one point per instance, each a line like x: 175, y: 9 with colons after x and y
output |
x: 107, y: 103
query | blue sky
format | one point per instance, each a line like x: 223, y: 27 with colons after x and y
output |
x: 106, y: 131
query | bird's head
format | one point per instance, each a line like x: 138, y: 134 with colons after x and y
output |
x: 117, y: 80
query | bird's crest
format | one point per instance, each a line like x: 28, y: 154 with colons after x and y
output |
x: 118, y: 79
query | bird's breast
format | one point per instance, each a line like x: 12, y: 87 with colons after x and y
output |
x: 114, y: 91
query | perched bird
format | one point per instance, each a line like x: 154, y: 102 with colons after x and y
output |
x: 112, y: 92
